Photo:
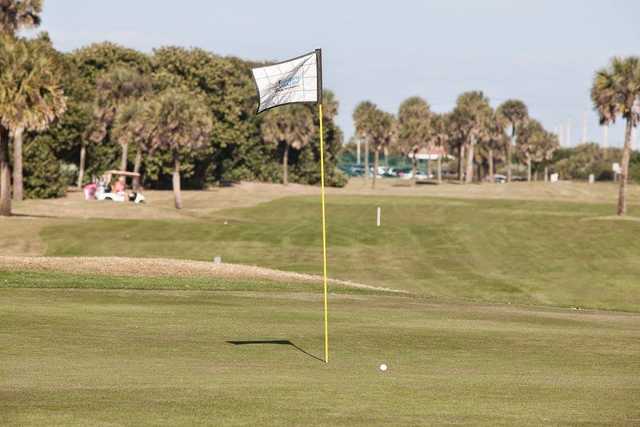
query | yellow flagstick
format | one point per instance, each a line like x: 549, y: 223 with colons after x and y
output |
x: 324, y: 241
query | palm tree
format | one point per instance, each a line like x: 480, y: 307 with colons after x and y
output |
x: 362, y: 125
x: 114, y: 89
x: 440, y: 137
x: 494, y: 145
x: 414, y: 128
x: 18, y: 14
x: 30, y: 99
x: 129, y: 127
x: 383, y: 133
x: 15, y: 15
x: 289, y: 127
x: 549, y: 146
x: 457, y: 139
x: 472, y: 117
x: 176, y: 120
x: 531, y: 137
x: 514, y: 113
x: 616, y: 92
x: 329, y: 105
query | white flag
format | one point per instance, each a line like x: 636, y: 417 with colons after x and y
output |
x: 293, y: 81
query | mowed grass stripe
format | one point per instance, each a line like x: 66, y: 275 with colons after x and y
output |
x: 60, y: 280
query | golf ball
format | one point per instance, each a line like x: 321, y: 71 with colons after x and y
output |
x: 383, y: 367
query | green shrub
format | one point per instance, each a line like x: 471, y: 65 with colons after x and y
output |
x: 44, y: 177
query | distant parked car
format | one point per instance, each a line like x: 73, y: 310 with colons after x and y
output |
x: 404, y: 173
x: 499, y: 179
x: 422, y: 176
x: 391, y: 172
x: 356, y: 170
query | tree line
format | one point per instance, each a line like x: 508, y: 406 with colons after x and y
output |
x: 481, y: 136
x: 473, y: 132
x: 176, y: 116
x: 186, y: 117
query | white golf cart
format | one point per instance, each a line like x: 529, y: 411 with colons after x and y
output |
x: 116, y: 192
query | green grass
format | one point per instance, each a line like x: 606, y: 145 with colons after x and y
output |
x: 88, y: 349
x: 55, y: 280
x: 529, y: 252
x: 150, y: 357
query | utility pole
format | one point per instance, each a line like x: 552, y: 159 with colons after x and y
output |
x: 357, y: 151
x: 561, y: 135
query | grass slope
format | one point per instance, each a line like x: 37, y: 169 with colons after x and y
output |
x: 149, y: 357
x: 533, y: 252
x: 16, y: 279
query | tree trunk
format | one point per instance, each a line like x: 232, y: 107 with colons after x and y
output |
x: 83, y: 155
x: 123, y: 159
x: 5, y: 173
x: 136, y: 169
x: 469, y: 177
x: 461, y: 163
x: 366, y: 159
x: 546, y: 174
x: 528, y: 168
x: 414, y: 167
x: 376, y: 160
x: 176, y: 180
x: 440, y: 170
x: 18, y: 186
x: 626, y: 153
x: 492, y: 175
x: 509, y: 148
x: 285, y: 165
x: 386, y: 157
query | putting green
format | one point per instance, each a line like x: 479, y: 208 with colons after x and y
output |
x: 227, y: 357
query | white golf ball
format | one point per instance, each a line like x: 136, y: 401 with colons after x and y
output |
x: 383, y: 367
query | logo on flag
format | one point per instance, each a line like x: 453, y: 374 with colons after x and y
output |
x: 298, y: 80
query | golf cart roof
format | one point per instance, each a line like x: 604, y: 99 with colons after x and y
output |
x: 123, y: 173
x: 109, y: 174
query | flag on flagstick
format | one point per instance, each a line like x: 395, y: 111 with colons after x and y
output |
x: 299, y: 80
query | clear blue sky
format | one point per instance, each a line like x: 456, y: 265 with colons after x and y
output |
x: 544, y: 52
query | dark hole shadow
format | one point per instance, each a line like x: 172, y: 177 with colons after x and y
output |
x: 275, y: 342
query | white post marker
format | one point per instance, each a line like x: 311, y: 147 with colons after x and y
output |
x: 378, y: 217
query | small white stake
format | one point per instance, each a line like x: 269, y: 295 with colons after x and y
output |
x: 378, y: 217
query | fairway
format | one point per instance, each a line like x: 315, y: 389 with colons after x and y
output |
x: 498, y: 322
x: 104, y: 357
x: 509, y: 251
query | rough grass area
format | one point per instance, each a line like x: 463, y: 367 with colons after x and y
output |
x: 174, y: 357
x: 530, y: 252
